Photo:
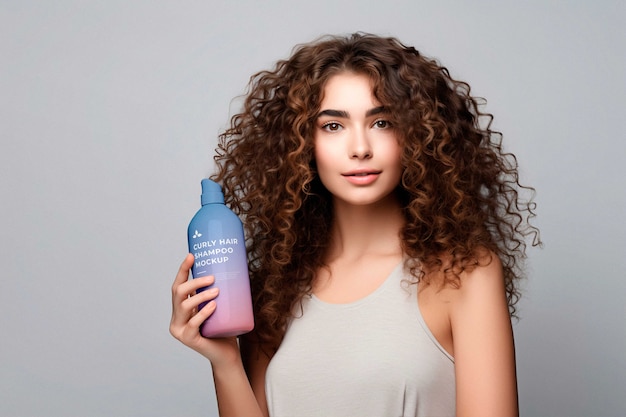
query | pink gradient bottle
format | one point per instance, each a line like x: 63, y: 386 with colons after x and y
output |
x: 216, y: 239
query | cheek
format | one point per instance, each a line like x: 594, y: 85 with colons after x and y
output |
x: 394, y: 155
x: 322, y: 155
x: 323, y: 169
x: 395, y: 163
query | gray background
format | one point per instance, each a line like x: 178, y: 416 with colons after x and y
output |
x: 109, y: 112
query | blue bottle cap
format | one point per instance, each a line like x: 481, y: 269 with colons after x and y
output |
x: 211, y: 192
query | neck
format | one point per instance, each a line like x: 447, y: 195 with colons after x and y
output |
x: 370, y: 230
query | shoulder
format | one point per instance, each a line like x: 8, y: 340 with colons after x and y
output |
x: 482, y: 285
x: 473, y: 299
x: 475, y: 285
x: 478, y: 307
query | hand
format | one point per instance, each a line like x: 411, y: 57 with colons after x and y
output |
x: 187, y: 318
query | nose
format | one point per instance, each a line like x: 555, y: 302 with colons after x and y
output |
x: 360, y: 146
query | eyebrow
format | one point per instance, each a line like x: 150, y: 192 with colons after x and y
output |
x: 344, y: 114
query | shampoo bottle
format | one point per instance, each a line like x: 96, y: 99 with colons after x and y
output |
x: 216, y: 240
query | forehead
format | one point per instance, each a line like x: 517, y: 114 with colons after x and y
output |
x: 348, y: 90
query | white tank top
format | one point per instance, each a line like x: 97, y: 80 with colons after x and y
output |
x: 373, y: 357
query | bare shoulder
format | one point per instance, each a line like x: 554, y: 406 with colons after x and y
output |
x: 481, y: 285
x: 478, y: 308
x: 446, y: 306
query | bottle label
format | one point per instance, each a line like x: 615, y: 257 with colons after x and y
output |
x: 212, y: 252
x: 218, y: 256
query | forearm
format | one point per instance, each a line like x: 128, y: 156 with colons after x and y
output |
x: 235, y: 397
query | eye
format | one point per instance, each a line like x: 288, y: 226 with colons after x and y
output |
x: 382, y: 124
x: 331, y: 126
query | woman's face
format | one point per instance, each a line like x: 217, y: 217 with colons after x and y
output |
x: 356, y: 148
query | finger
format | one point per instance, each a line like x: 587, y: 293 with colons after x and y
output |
x: 193, y: 303
x: 204, y: 313
x: 185, y: 305
x: 183, y: 287
x: 183, y: 270
x: 199, y: 283
x: 191, y: 288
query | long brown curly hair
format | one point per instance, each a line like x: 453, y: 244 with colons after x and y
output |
x: 460, y: 191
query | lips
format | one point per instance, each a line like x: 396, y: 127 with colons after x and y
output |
x: 362, y: 177
x: 361, y: 173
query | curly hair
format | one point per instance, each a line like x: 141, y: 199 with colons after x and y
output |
x: 460, y: 192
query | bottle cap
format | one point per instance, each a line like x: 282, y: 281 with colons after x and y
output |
x: 211, y: 192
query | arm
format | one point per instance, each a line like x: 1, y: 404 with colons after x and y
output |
x: 234, y: 392
x: 256, y: 361
x: 484, y: 351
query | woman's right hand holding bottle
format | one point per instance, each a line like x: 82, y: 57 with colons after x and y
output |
x: 187, y: 317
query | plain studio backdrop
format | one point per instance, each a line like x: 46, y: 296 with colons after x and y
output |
x: 109, y: 116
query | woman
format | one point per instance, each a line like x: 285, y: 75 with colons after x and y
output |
x: 386, y: 233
